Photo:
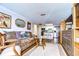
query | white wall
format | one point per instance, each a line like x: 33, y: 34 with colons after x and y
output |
x: 14, y: 17
x: 39, y: 30
x: 35, y: 29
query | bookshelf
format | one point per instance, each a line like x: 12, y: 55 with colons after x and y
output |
x: 67, y: 35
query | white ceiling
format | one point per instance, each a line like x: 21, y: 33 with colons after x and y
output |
x: 55, y: 12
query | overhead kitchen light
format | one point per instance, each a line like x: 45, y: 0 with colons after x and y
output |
x: 43, y: 14
x: 40, y: 24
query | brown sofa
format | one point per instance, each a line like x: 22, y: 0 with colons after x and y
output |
x: 25, y: 43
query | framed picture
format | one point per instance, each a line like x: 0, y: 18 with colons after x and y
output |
x: 28, y: 25
x: 20, y: 23
x: 5, y: 20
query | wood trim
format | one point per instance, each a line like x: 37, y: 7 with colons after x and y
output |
x: 62, y: 28
x: 17, y: 54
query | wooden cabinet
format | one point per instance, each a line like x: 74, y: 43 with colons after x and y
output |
x: 77, y: 10
x: 76, y: 41
x: 76, y: 14
x: 76, y: 28
x: 77, y: 22
x: 69, y: 38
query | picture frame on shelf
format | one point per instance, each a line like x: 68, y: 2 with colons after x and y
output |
x: 5, y: 20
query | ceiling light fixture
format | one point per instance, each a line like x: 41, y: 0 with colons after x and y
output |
x: 43, y: 14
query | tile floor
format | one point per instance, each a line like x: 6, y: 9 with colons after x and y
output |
x: 50, y: 50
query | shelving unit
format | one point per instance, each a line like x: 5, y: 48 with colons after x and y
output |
x: 76, y: 28
x: 66, y: 35
x: 69, y: 38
